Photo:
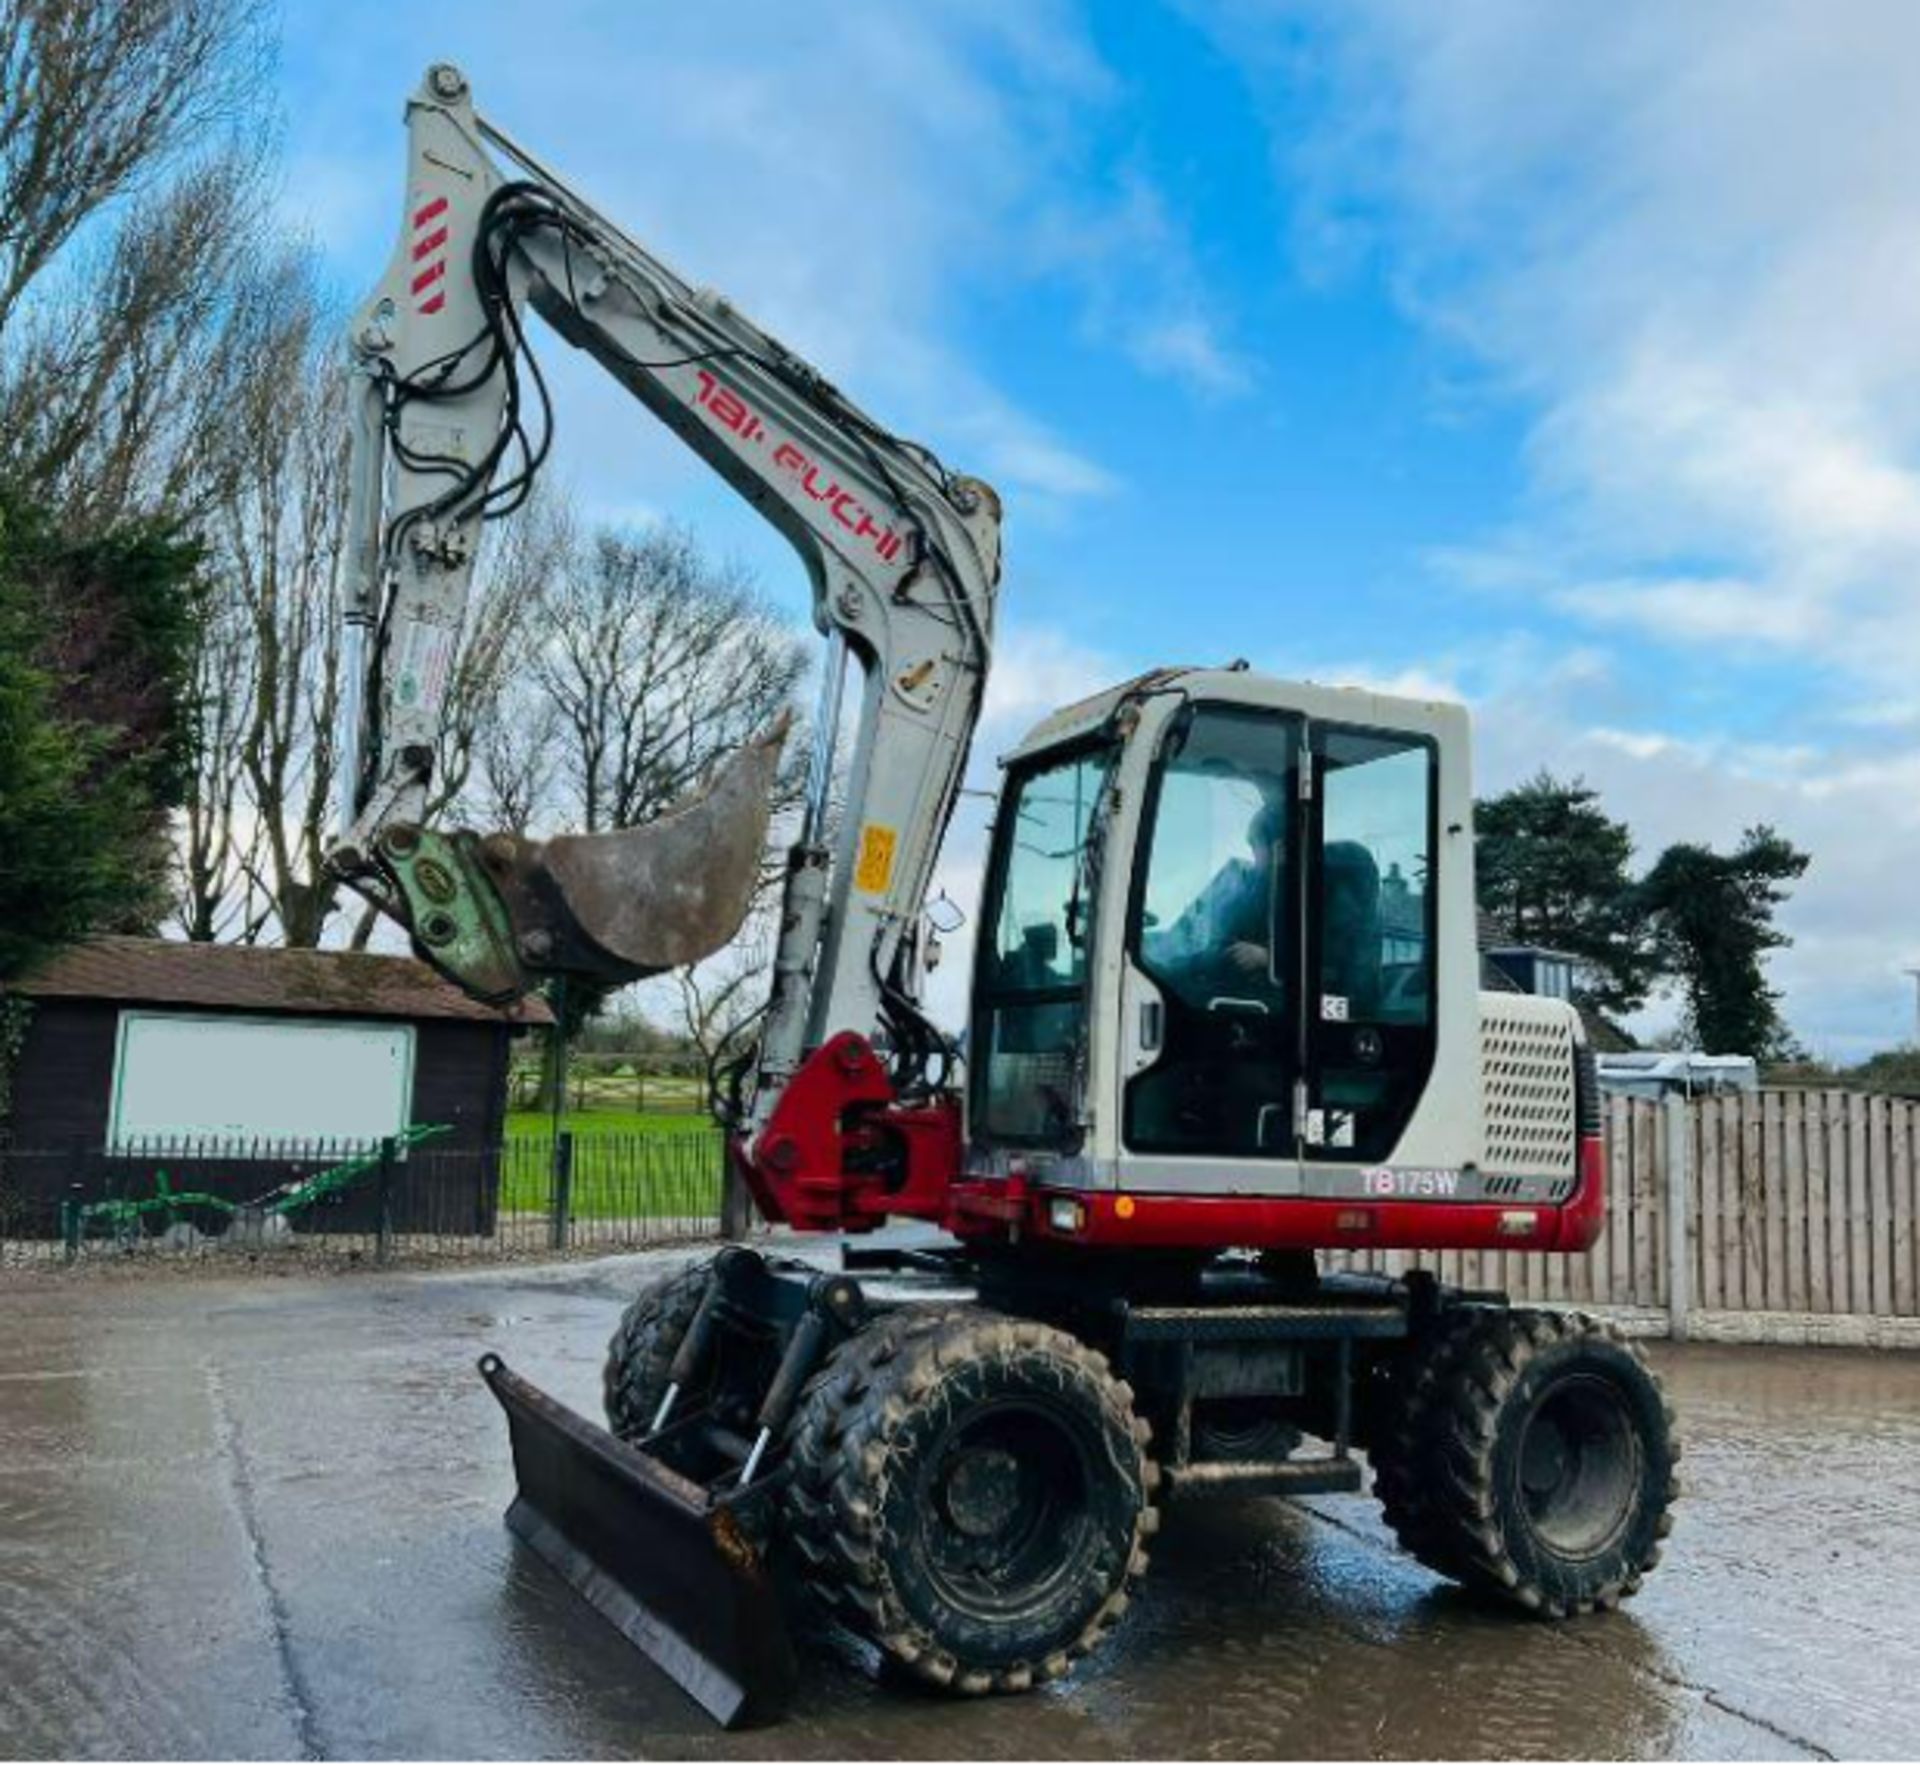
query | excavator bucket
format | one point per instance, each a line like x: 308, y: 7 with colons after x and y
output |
x: 497, y: 914
x: 659, y: 896
x: 657, y: 1556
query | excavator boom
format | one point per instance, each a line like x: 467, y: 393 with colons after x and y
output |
x: 450, y: 428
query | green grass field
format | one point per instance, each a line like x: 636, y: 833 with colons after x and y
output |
x: 626, y: 1165
x: 585, y: 1124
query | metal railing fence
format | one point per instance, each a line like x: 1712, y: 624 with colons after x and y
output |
x: 529, y: 1194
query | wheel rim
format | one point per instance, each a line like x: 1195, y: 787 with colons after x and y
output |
x: 1004, y: 1510
x: 1578, y: 1466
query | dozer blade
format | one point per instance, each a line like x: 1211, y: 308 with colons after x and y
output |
x: 651, y: 1552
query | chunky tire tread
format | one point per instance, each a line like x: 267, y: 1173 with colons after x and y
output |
x: 640, y: 1353
x: 842, y: 1438
x: 1435, y: 1474
x: 1405, y: 1442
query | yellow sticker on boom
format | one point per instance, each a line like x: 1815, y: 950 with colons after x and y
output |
x: 875, y: 869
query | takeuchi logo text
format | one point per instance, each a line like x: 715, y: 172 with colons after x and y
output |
x: 726, y: 409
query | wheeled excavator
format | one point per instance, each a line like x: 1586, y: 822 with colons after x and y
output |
x: 1226, y: 1032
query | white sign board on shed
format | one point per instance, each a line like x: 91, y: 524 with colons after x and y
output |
x: 278, y: 1081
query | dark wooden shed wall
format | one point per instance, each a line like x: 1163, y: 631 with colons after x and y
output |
x: 63, y: 1083
x: 62, y: 1095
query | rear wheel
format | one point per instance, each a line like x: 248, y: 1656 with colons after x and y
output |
x: 972, y: 1493
x: 1533, y: 1459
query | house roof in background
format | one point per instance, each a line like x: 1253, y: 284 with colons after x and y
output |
x: 257, y: 977
x: 1604, y: 1036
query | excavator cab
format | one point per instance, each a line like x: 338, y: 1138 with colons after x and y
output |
x: 1228, y: 943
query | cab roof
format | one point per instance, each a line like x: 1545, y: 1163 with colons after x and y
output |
x: 1244, y: 686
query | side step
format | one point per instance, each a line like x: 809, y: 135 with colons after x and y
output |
x: 1231, y: 1480
x: 1265, y: 1323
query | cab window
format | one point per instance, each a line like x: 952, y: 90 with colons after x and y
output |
x: 1372, y: 959
x: 1214, y: 906
x: 1030, y: 1000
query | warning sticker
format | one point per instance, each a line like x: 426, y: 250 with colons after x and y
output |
x: 426, y: 657
x: 874, y: 871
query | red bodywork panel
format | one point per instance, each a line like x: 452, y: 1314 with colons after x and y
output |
x: 840, y: 1153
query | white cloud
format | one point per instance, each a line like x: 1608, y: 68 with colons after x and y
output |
x: 1683, y: 234
x: 1142, y: 288
x: 1185, y: 347
x: 1037, y: 670
x: 1718, y: 610
x: 1686, y: 239
x: 1013, y: 450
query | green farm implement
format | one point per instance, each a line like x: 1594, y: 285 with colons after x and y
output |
x: 127, y: 1218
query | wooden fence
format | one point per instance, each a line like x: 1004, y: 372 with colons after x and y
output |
x: 1804, y: 1203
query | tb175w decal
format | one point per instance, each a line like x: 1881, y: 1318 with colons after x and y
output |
x: 1426, y: 1185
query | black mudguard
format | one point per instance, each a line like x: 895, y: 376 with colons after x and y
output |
x: 655, y: 1554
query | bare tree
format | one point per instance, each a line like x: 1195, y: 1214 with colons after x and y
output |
x: 139, y: 281
x: 101, y: 99
x: 719, y: 997
x: 251, y: 844
x: 519, y: 755
x: 482, y: 722
x: 142, y: 293
x: 284, y: 530
x: 718, y: 1000
x: 658, y: 662
x: 217, y: 840
x: 652, y: 664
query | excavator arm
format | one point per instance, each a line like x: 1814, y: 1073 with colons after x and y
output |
x: 450, y: 425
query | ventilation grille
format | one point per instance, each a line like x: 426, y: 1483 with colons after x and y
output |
x: 1527, y: 1078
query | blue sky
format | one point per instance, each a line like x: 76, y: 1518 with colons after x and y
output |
x: 1561, y: 358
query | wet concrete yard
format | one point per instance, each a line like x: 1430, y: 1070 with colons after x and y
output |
x: 262, y: 1517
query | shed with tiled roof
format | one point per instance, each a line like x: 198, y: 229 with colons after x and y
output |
x: 133, y: 1044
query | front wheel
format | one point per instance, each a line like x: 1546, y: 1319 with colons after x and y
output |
x: 972, y: 1493
x: 1541, y: 1448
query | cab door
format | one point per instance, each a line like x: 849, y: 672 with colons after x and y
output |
x: 1210, y: 999
x: 1371, y: 939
